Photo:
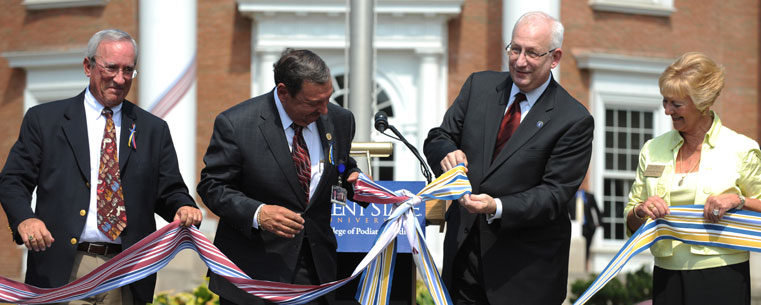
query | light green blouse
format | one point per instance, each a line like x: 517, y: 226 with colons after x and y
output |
x: 730, y: 163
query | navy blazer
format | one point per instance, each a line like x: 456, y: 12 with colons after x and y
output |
x: 248, y: 163
x: 525, y: 253
x: 52, y: 154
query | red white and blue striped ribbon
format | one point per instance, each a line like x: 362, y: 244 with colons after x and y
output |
x: 156, y: 250
x: 739, y: 230
x: 176, y: 91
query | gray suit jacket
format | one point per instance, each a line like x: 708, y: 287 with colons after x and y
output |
x: 525, y: 253
x: 248, y: 163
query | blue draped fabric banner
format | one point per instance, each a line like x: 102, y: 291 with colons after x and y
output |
x: 156, y: 250
x: 739, y: 230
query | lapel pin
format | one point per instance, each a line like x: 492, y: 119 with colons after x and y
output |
x: 329, y: 136
x: 539, y: 124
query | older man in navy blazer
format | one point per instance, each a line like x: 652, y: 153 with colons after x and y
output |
x: 101, y: 167
x: 527, y: 144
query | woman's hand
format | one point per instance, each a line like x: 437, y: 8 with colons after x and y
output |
x: 716, y: 206
x: 654, y: 207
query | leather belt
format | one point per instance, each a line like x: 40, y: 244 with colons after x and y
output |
x: 99, y: 248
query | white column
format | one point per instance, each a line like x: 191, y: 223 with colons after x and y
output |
x: 167, y: 79
x: 512, y: 10
x: 427, y: 96
x: 264, y: 79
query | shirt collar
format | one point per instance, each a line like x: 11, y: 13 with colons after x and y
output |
x: 533, y: 95
x: 93, y: 105
x: 284, y: 118
x: 710, y: 137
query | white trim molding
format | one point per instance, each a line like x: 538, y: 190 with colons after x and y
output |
x: 50, y: 75
x: 661, y: 8
x: 48, y: 4
x: 621, y: 63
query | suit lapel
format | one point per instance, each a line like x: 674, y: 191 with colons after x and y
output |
x: 75, y: 130
x: 494, y: 113
x: 125, y: 149
x: 537, y: 118
x: 272, y: 129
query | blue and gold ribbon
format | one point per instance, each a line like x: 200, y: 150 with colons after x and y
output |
x: 739, y: 230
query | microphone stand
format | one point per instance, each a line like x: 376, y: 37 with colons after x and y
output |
x: 423, y: 166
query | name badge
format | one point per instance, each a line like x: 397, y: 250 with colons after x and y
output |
x: 654, y: 170
x: 338, y: 193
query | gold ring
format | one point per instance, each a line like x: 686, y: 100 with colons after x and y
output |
x: 652, y: 207
x: 31, y: 237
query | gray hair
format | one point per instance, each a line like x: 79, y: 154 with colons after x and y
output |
x: 556, y: 40
x: 108, y: 35
x: 296, y: 66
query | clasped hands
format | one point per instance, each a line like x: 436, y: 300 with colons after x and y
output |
x: 36, y: 236
x: 474, y: 203
x: 715, y: 207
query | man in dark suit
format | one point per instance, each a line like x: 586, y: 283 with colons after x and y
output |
x: 526, y: 144
x: 274, y: 206
x: 94, y: 197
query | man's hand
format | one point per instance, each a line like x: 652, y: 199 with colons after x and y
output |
x: 353, y: 177
x: 281, y: 221
x: 35, y: 234
x: 188, y: 215
x: 478, y: 204
x: 452, y: 159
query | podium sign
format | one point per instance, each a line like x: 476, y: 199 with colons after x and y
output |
x: 356, y: 227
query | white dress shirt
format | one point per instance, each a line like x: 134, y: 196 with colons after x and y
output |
x: 96, y: 123
x: 311, y: 136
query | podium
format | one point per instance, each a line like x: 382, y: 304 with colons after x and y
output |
x: 356, y: 228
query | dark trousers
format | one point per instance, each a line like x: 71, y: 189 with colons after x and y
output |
x: 467, y: 273
x: 305, y: 274
x: 720, y: 285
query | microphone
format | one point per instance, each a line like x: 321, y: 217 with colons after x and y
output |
x: 381, y: 121
x: 381, y: 124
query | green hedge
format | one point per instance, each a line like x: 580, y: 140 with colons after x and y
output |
x: 638, y: 288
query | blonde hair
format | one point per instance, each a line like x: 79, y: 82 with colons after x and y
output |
x: 693, y: 75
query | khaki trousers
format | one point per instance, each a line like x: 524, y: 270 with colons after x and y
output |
x: 84, y: 263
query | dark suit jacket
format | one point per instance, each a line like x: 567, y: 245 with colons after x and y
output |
x: 525, y: 253
x: 248, y: 163
x: 52, y: 154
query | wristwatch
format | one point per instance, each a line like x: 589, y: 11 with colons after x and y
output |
x: 742, y: 202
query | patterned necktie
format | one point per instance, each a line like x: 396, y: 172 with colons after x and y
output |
x: 112, y: 216
x: 509, y: 124
x: 300, y: 155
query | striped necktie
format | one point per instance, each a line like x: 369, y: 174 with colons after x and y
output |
x: 300, y: 155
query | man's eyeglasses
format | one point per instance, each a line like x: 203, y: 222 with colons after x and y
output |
x: 516, y: 51
x: 112, y: 70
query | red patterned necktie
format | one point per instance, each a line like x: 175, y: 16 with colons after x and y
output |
x: 300, y: 155
x: 509, y: 124
x: 112, y: 216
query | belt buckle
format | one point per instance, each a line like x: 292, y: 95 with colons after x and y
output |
x: 89, y: 246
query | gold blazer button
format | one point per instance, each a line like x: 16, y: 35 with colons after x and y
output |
x: 73, y: 241
x: 82, y: 213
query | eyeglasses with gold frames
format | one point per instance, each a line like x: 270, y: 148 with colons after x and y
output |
x: 112, y: 70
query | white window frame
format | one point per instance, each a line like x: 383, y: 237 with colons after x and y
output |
x: 630, y: 82
x: 661, y: 8
x: 48, y: 4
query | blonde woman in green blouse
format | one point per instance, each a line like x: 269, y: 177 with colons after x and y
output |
x: 699, y: 162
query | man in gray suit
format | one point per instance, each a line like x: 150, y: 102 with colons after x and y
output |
x: 526, y: 144
x: 271, y: 165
